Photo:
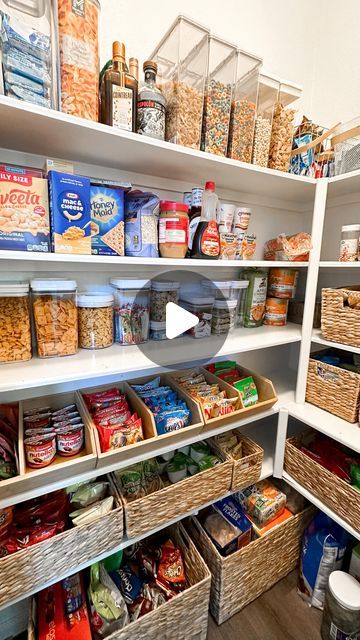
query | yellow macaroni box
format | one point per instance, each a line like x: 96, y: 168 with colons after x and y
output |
x: 70, y: 213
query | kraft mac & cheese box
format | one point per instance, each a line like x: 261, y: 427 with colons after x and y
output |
x: 70, y: 213
x: 24, y: 210
x: 107, y: 221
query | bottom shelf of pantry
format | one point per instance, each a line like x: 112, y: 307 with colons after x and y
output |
x: 320, y: 505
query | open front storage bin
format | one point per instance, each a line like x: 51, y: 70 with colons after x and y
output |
x: 339, y: 321
x: 335, y: 493
x: 247, y: 469
x: 240, y: 578
x: 105, y: 458
x: 183, y: 617
x: 333, y: 389
x: 182, y: 59
x: 346, y: 144
x: 155, y: 509
x: 46, y: 561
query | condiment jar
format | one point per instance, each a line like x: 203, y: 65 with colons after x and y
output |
x: 95, y: 318
x: 131, y: 310
x: 173, y: 229
x: 161, y: 294
x: 15, y: 331
x: 55, y: 316
x: 341, y: 617
x: 350, y: 243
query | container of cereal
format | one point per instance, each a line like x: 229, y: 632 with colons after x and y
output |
x: 161, y: 294
x: 276, y: 312
x: 157, y: 330
x: 223, y: 316
x: 238, y: 293
x: 267, y: 97
x: 282, y: 283
x: 182, y: 59
x: 201, y: 307
x: 218, y: 95
x: 15, y: 330
x: 218, y: 289
x: 55, y: 317
x: 283, y: 126
x: 243, y: 108
x: 78, y: 30
x: 131, y: 310
x: 254, y: 307
x: 95, y: 319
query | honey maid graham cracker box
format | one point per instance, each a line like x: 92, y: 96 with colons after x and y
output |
x: 107, y: 220
x: 69, y: 197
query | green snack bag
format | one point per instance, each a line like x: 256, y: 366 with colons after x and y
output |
x: 207, y: 462
x: 228, y: 364
x: 130, y: 481
x: 355, y: 475
x: 248, y: 391
x: 113, y: 562
x: 198, y: 450
x: 151, y: 476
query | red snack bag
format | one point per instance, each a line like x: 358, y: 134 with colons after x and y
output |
x: 171, y: 567
x: 102, y: 399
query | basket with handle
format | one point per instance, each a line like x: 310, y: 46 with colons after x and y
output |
x: 340, y: 322
x: 247, y: 469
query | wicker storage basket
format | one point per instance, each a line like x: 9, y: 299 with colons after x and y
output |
x: 339, y: 496
x: 166, y: 504
x: 333, y: 389
x: 28, y: 569
x: 184, y: 617
x: 340, y: 323
x: 246, y: 470
x: 244, y: 575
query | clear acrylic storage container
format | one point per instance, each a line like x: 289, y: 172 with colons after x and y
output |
x: 218, y: 289
x: 218, y: 95
x: 15, y: 330
x: 95, y: 317
x: 268, y: 95
x: 201, y: 306
x: 55, y: 317
x: 131, y: 310
x: 282, y: 131
x: 182, y: 59
x: 243, y: 109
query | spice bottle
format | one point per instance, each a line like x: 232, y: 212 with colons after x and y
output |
x: 206, y: 243
x: 194, y: 215
x: 118, y: 93
x: 151, y: 105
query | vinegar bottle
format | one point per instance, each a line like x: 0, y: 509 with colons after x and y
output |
x: 206, y: 242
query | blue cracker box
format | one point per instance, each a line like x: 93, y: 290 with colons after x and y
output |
x: 70, y: 213
x: 107, y: 221
x: 232, y: 513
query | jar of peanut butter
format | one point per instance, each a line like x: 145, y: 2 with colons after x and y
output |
x: 173, y: 229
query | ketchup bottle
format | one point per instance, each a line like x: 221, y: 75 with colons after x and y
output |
x: 206, y: 242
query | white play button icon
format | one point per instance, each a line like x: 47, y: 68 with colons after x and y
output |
x: 178, y: 320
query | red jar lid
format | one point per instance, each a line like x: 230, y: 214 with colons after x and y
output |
x: 169, y: 205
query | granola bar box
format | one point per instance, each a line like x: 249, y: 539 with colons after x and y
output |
x: 24, y: 210
x: 107, y: 220
x: 69, y: 197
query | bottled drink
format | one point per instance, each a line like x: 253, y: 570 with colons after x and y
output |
x: 118, y: 93
x: 134, y: 68
x: 151, y: 105
x: 206, y: 242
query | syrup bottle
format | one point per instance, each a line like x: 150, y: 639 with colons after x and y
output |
x: 206, y: 242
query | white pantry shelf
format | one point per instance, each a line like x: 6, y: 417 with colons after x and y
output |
x: 317, y: 337
x: 320, y: 505
x: 346, y: 433
x: 335, y: 264
x: 347, y: 184
x: 37, y: 130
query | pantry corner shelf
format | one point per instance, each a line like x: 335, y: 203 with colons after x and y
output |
x: 318, y: 339
x: 334, y: 264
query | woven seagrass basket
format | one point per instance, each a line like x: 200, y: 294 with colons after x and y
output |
x: 246, y: 470
x: 339, y: 322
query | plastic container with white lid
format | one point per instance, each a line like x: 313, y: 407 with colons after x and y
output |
x: 131, y: 310
x: 221, y: 289
x: 223, y: 316
x: 201, y: 307
x: 157, y: 330
x: 95, y: 317
x: 15, y: 331
x: 341, y: 617
x: 55, y: 316
x: 238, y: 293
x: 161, y: 294
x: 350, y: 243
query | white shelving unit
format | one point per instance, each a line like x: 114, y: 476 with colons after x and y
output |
x: 281, y: 203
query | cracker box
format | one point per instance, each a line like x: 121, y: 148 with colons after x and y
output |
x: 24, y: 211
x: 107, y: 221
x: 70, y: 213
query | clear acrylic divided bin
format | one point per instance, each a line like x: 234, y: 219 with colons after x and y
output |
x: 285, y: 110
x: 182, y: 59
x: 243, y: 109
x: 267, y: 97
x: 346, y: 144
x: 218, y: 96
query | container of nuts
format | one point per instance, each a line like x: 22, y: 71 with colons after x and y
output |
x: 267, y: 97
x: 95, y: 320
x: 15, y: 331
x: 283, y: 126
x: 161, y: 294
x: 55, y: 317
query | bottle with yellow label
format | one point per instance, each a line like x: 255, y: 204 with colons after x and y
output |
x: 118, y: 93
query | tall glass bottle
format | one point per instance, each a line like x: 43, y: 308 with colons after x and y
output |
x: 119, y: 93
x: 134, y: 68
x: 151, y: 105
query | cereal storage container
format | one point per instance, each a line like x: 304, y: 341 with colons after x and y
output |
x: 161, y: 294
x: 218, y: 289
x: 238, y: 293
x: 267, y: 97
x: 131, y: 310
x: 182, y: 59
x: 15, y: 331
x: 243, y: 109
x: 283, y: 125
x: 201, y: 307
x: 223, y: 316
x: 95, y: 317
x: 218, y: 94
x: 55, y: 317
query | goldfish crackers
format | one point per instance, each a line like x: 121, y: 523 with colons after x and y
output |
x: 70, y: 213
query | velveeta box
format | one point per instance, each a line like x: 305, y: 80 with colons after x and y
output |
x: 107, y: 221
x: 24, y: 211
x: 70, y: 213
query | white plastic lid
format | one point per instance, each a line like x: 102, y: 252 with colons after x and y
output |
x: 156, y: 285
x: 195, y: 299
x: 351, y: 227
x: 53, y: 285
x: 240, y: 284
x: 95, y: 300
x: 345, y: 589
x: 157, y: 326
x: 225, y: 304
x: 216, y: 284
x: 8, y: 289
x: 130, y: 284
